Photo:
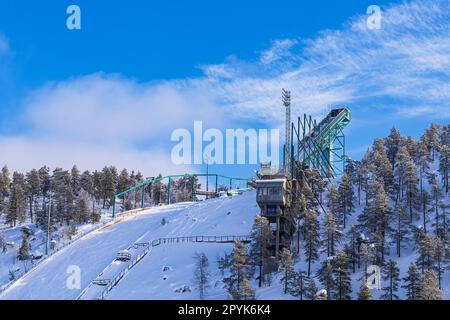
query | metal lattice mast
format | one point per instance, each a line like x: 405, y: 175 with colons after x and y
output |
x: 286, y: 98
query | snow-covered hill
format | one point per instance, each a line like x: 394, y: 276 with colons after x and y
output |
x: 94, y: 252
x: 167, y: 271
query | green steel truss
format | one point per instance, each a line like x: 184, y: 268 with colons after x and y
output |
x: 143, y: 185
x: 320, y: 145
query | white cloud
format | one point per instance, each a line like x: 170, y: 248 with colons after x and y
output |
x: 407, y: 61
x: 403, y: 68
x: 25, y: 152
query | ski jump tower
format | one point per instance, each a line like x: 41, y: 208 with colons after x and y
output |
x: 311, y: 145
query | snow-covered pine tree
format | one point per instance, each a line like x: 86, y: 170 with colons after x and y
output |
x: 444, y: 164
x: 33, y: 187
x: 246, y: 291
x: 298, y: 284
x: 425, y: 245
x: 237, y: 282
x: 429, y: 289
x: 401, y: 230
x: 342, y: 277
x: 346, y: 199
x: 224, y: 263
x: 261, y: 236
x: 441, y: 257
x: 17, y: 202
x: 45, y: 182
x: 392, y: 144
x: 108, y: 185
x: 82, y: 212
x: 364, y: 172
x: 382, y: 168
x: 311, y: 289
x: 202, y: 274
x: 364, y: 291
x: 5, y: 184
x: 431, y: 139
x: 412, y: 282
x: 376, y: 218
x: 312, y: 238
x: 24, y: 250
x: 391, y: 274
x: 124, y: 181
x: 436, y: 195
x: 325, y: 276
x: 75, y: 181
x: 287, y: 268
x: 331, y: 234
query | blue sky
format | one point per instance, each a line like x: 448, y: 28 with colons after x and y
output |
x: 114, y: 90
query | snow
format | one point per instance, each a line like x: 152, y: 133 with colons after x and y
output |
x: 95, y: 251
x: 167, y: 271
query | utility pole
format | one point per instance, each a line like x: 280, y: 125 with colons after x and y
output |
x: 50, y: 202
x: 207, y: 159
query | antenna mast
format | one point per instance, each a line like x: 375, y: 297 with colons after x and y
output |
x: 286, y: 98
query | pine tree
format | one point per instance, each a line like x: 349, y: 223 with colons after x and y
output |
x: 444, y: 164
x: 75, y: 180
x: 382, y: 168
x: 83, y: 212
x: 312, y: 238
x: 5, y: 184
x: 298, y: 285
x: 405, y: 171
x: 325, y: 276
x: 246, y: 291
x: 237, y: 282
x: 332, y: 234
x: 431, y: 139
x: 376, y: 218
x: 393, y: 143
x: 441, y: 254
x: 436, y: 195
x: 426, y: 247
x: 364, y: 291
x: 311, y: 289
x: 108, y: 183
x: 33, y: 187
x: 342, y: 277
x: 401, y: 230
x: 391, y: 273
x: 17, y: 203
x: 429, y: 289
x: 202, y: 274
x: 286, y: 264
x: 346, y: 199
x: 412, y: 282
x: 261, y: 236
x: 24, y: 253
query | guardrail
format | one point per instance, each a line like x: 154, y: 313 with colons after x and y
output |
x: 66, y: 244
x: 206, y: 239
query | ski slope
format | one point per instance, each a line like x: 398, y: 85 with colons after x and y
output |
x: 94, y: 252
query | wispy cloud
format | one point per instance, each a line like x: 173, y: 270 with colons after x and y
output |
x: 407, y: 61
x: 404, y: 68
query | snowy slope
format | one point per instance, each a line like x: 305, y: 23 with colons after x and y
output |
x: 223, y: 216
